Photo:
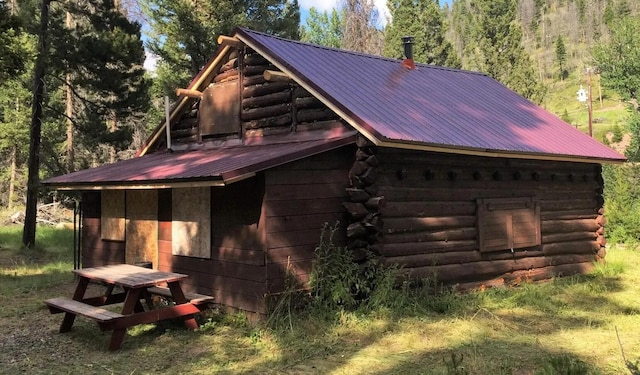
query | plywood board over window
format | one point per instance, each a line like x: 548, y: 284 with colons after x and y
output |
x: 508, y: 223
x: 142, y: 227
x: 191, y: 222
x: 112, y: 220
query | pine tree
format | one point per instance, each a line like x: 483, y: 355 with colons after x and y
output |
x: 494, y: 46
x: 561, y: 57
x: 13, y: 55
x: 618, y: 61
x: 183, y: 33
x: 422, y: 19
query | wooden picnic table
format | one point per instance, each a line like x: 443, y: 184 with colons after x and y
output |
x: 138, y: 284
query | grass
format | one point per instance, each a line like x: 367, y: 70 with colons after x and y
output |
x: 565, y: 326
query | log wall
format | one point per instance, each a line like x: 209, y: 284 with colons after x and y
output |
x: 430, y: 223
x: 266, y: 107
x: 300, y: 197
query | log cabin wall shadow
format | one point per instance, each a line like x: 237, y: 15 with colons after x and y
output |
x: 431, y: 225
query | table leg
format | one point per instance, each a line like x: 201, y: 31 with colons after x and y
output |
x: 178, y: 297
x: 78, y: 295
x: 130, y: 301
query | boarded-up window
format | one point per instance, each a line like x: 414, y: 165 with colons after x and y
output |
x: 219, y: 111
x: 508, y: 223
x: 142, y: 227
x: 191, y: 222
x: 112, y: 215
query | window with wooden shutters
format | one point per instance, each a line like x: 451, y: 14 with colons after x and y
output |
x: 508, y: 223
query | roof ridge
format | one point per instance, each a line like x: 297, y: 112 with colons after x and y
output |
x: 361, y: 54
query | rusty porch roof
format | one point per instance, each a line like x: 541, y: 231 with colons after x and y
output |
x: 201, y: 167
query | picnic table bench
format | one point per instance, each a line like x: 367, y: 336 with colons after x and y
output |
x: 138, y: 284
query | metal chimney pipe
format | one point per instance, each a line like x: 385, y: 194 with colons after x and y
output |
x: 407, y: 41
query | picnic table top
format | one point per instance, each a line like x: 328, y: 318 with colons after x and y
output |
x: 129, y: 276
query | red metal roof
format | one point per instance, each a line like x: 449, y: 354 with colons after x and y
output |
x: 430, y: 106
x: 205, y: 166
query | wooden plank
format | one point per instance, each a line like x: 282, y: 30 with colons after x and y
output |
x: 302, y: 177
x: 296, y: 207
x: 62, y: 304
x: 190, y: 265
x: 395, y: 225
x: 292, y: 253
x: 205, y: 282
x: 409, y: 248
x: 243, y: 256
x: 428, y: 208
x: 298, y: 238
x: 278, y: 224
x: 193, y: 298
x: 490, y: 269
x: 564, y: 226
x: 455, y: 234
x: 315, y: 191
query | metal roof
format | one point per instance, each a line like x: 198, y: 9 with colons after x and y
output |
x: 204, y: 167
x: 430, y: 107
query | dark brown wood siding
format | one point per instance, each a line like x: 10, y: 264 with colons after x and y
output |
x: 235, y: 274
x: 430, y: 221
x: 300, y: 198
x: 95, y: 251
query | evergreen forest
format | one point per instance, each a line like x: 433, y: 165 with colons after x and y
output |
x: 74, y: 92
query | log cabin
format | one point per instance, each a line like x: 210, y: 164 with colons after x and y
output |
x: 445, y: 172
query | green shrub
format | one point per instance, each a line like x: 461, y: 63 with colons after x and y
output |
x: 622, y: 202
x: 338, y: 282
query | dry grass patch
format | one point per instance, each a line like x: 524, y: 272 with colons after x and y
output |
x: 568, y: 323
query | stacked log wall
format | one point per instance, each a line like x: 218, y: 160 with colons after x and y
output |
x: 300, y: 197
x: 430, y: 216
x: 278, y: 107
x: 96, y: 251
x: 267, y: 107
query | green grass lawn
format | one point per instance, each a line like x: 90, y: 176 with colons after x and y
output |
x: 565, y: 326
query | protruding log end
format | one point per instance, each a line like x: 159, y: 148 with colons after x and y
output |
x: 189, y: 93
x: 229, y: 41
x: 276, y: 76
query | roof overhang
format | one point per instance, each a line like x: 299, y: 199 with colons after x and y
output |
x: 214, y: 167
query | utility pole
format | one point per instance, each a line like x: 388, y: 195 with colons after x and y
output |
x: 589, y: 103
x: 35, y: 130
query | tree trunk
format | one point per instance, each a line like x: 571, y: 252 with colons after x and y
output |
x: 113, y: 128
x: 33, y: 182
x: 12, y: 177
x: 69, y: 110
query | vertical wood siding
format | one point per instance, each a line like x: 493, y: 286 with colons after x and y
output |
x: 430, y: 225
x: 300, y: 197
x: 95, y: 251
x: 235, y: 274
